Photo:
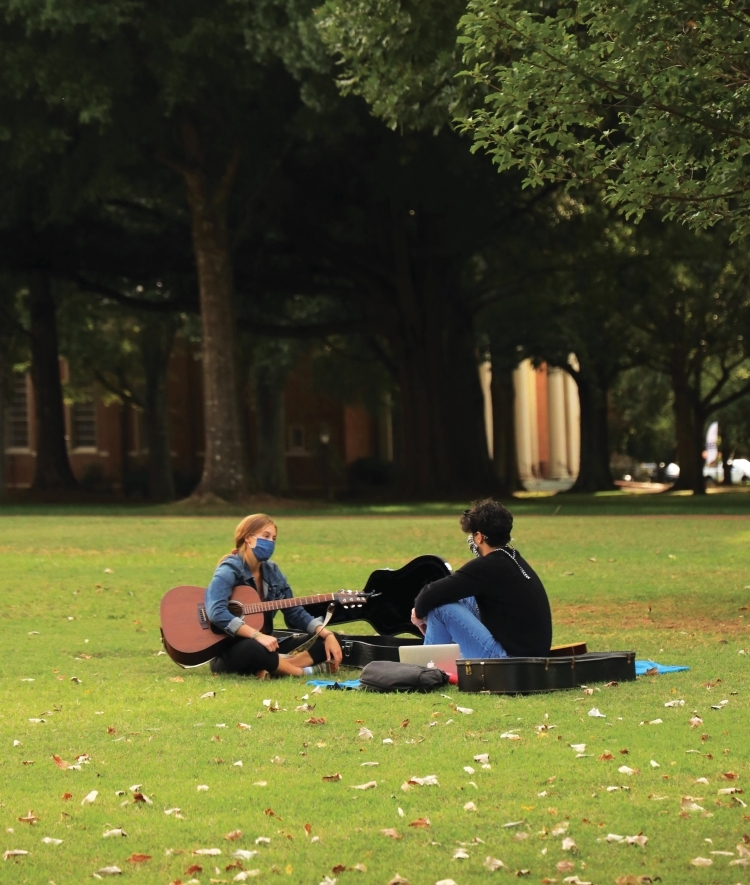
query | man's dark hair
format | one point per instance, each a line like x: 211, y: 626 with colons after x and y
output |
x: 490, y: 518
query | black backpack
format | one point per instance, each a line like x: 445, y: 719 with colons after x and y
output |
x: 386, y: 676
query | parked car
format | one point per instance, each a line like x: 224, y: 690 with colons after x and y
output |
x: 740, y: 471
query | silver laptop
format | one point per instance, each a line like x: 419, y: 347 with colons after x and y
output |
x: 441, y: 656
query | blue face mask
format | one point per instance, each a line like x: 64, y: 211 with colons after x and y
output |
x: 263, y: 549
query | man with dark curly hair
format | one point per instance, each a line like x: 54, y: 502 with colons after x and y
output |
x: 494, y: 606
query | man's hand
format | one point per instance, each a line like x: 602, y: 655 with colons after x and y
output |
x: 269, y: 642
x: 333, y: 651
x: 418, y: 622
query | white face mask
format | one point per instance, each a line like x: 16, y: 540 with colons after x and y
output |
x: 472, y: 546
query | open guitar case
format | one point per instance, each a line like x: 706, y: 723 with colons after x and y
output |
x: 566, y: 666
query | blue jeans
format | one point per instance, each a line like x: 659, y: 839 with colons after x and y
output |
x: 459, y: 622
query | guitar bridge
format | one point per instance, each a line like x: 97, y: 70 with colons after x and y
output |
x: 203, y: 617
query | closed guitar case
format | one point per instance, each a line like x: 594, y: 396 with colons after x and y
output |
x: 553, y: 673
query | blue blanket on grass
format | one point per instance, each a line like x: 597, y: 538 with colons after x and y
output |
x: 641, y: 668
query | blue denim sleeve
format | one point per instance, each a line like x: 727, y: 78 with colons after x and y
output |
x: 218, y: 592
x: 296, y: 618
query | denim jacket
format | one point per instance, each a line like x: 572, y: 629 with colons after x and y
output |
x: 234, y: 571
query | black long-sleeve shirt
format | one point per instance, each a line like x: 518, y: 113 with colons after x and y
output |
x: 513, y: 608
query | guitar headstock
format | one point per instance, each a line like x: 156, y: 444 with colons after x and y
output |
x: 351, y: 598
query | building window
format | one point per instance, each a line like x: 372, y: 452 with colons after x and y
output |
x: 295, y: 439
x: 83, y: 425
x: 17, y: 414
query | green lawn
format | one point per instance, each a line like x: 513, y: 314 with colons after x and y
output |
x: 674, y: 589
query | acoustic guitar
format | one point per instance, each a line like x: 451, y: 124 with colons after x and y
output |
x: 191, y: 639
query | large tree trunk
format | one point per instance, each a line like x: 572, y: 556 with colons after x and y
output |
x: 156, y: 346
x: 504, y: 453
x: 52, y: 470
x: 689, y: 434
x: 271, y: 471
x: 225, y: 471
x: 444, y: 438
x: 594, y: 474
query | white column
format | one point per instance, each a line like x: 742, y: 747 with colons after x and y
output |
x: 485, y: 380
x: 521, y: 411
x: 558, y: 442
x: 573, y: 425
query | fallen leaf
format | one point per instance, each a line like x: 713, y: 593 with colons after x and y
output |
x: 565, y: 866
x: 139, y: 858
x: 193, y: 868
x: 626, y: 769
x: 640, y: 839
x: 460, y: 854
x: 316, y: 720
x: 141, y: 797
x: 90, y: 798
x: 391, y: 833
x: 14, y: 852
x: 332, y: 777
x: 606, y: 757
x: 118, y: 831
x: 210, y: 852
x: 596, y: 713
x: 202, y: 788
x: 49, y: 841
x: 574, y: 880
x: 569, y: 844
x: 695, y: 721
x: 429, y: 780
x: 579, y: 748
x: 398, y: 880
x: 233, y: 836
x: 730, y: 776
x: 465, y: 710
x: 687, y: 804
x: 370, y: 785
x: 110, y: 871
x: 421, y: 823
x: 365, y: 733
x: 701, y: 862
x: 30, y: 818
x: 208, y: 694
x: 492, y: 864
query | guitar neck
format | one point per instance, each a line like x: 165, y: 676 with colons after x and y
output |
x: 278, y: 604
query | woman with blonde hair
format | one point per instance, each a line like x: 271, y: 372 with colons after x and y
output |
x: 258, y: 651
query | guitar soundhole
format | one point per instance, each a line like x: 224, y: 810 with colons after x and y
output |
x: 235, y: 608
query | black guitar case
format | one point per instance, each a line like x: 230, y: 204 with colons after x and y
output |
x: 531, y: 675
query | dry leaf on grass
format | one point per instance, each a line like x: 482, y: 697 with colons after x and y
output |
x: 574, y: 880
x: 565, y: 866
x: 365, y: 733
x: 233, y: 836
x: 14, y: 852
x: 429, y: 780
x: 316, y: 720
x: 117, y: 831
x: 49, y: 841
x: 460, y: 854
x: 90, y: 798
x: 595, y: 713
x: 139, y: 858
x: 391, y: 833
x: 332, y: 777
x: 398, y: 880
x: 695, y: 721
x: 370, y: 785
x: 209, y: 852
x: 569, y: 844
x: 492, y: 864
x: 606, y: 757
x: 687, y: 803
x: 470, y: 806
x: 445, y: 882
x: 29, y: 818
x: 421, y: 823
x: 193, y: 868
x: 701, y: 862
x: 208, y: 694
